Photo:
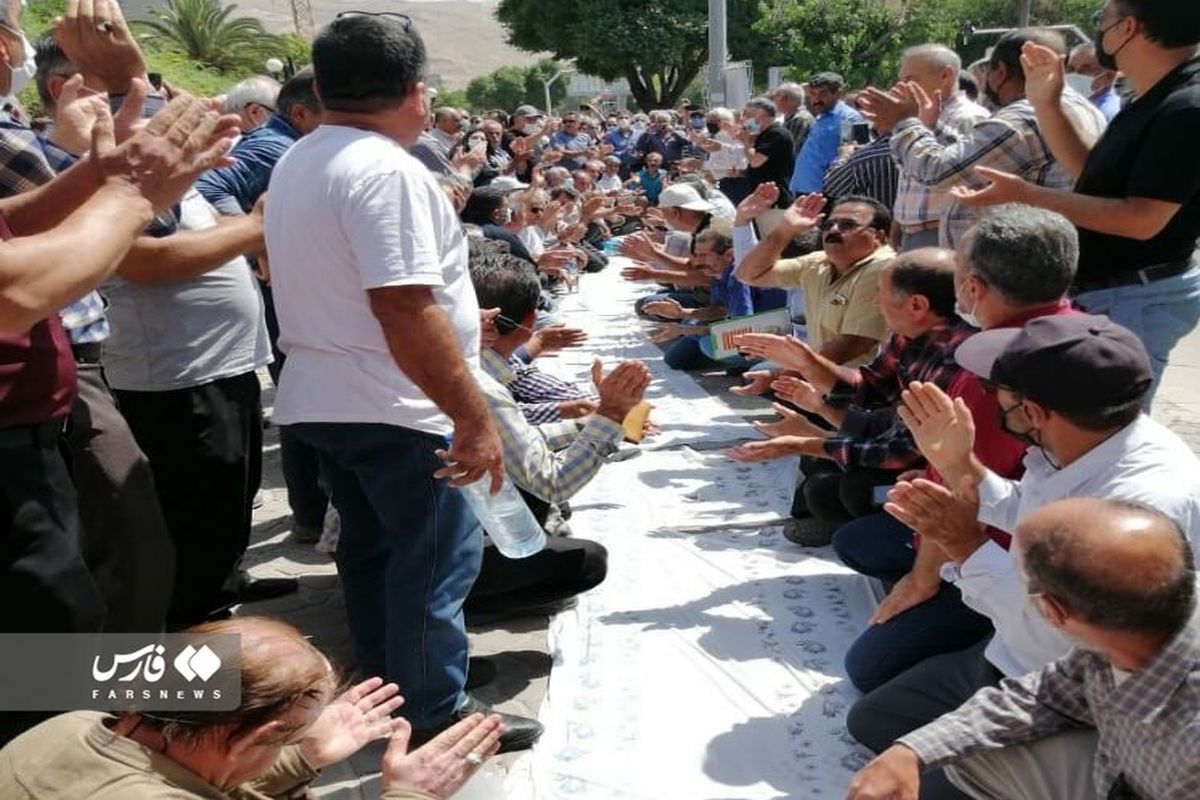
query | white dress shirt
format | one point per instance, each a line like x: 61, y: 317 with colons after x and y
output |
x: 1144, y: 463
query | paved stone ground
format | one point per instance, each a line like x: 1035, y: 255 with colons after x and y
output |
x: 520, y: 647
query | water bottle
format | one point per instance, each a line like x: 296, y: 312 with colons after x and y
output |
x: 505, y: 517
x: 572, y: 271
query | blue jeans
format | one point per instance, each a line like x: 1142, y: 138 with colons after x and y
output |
x: 881, y: 547
x: 1160, y: 313
x: 409, y: 552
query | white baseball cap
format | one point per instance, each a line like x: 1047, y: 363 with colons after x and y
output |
x: 682, y: 195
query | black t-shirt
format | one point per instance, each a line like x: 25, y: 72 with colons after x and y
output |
x: 1151, y: 149
x: 780, y: 149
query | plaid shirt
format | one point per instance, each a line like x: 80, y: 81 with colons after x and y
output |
x: 538, y: 394
x: 28, y: 161
x: 1148, y: 725
x: 1009, y: 141
x: 551, y: 461
x: 872, y: 435
x: 868, y: 171
x: 917, y: 203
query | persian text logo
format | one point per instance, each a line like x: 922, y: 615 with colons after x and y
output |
x: 192, y: 663
x: 148, y: 663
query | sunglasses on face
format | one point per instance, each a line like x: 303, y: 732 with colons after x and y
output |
x: 842, y: 225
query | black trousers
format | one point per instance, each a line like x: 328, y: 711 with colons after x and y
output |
x: 918, y: 696
x: 123, y: 535
x: 44, y: 585
x: 566, y: 567
x: 205, y: 449
x: 828, y: 493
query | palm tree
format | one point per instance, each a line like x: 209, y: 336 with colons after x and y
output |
x: 205, y: 32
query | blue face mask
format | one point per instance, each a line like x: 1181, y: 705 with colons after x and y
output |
x: 751, y: 125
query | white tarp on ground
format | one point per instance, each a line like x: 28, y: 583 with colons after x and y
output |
x: 709, y: 665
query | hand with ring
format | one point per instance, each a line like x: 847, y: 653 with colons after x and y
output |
x: 441, y: 766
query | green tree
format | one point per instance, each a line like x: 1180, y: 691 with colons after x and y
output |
x: 509, y: 87
x: 658, y: 46
x: 208, y: 33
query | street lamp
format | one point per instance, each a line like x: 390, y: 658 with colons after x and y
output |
x: 548, y: 83
x: 274, y: 66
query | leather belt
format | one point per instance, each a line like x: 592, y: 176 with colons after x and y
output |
x: 1144, y: 276
x: 88, y: 352
x: 44, y: 434
x: 921, y: 227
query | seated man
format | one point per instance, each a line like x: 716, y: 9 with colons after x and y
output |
x: 289, y: 726
x: 691, y: 346
x: 1071, y: 387
x: 1118, y: 716
x: 550, y: 462
x: 1017, y: 264
x: 868, y: 445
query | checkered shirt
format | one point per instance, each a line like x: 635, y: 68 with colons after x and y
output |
x: 538, y: 394
x: 1149, y: 725
x: 917, y: 203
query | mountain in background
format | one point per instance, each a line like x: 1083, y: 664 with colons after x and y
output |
x: 463, y: 37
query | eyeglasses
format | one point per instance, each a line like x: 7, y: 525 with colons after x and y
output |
x: 1098, y: 22
x: 843, y: 225
x: 405, y: 20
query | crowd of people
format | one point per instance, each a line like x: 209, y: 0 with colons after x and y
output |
x: 985, y: 271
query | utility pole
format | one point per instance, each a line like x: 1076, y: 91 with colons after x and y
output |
x: 717, y: 20
x: 302, y: 18
x: 1025, y: 8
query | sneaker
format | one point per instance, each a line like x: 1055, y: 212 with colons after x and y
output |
x: 810, y: 532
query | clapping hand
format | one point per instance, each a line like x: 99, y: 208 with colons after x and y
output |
x: 670, y: 332
x: 758, y: 381
x: 358, y: 717
x: 942, y: 428
x: 929, y: 109
x: 1044, y: 75
x: 779, y: 447
x: 95, y: 38
x: 799, y: 392
x: 621, y: 389
x: 638, y: 272
x: 787, y: 351
x: 667, y: 308
x: 553, y: 338
x: 949, y: 519
x: 1003, y: 187
x: 887, y: 109
x: 790, y: 423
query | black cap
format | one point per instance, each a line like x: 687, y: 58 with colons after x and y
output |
x: 1073, y: 363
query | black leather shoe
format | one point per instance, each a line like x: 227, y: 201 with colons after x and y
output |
x: 519, y: 732
x: 480, y: 672
x: 255, y: 589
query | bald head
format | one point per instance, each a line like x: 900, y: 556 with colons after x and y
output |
x: 934, y: 67
x: 1112, y: 564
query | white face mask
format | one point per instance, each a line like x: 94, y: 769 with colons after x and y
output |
x: 19, y: 77
x: 531, y: 128
x: 1080, y: 83
x: 967, y: 316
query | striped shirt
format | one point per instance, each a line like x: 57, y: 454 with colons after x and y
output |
x: 552, y: 461
x: 869, y: 171
x: 1008, y: 141
x: 1148, y: 723
x: 537, y: 393
x: 917, y: 203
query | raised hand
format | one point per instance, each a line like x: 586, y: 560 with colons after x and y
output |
x: 358, y: 717
x: 887, y: 109
x: 929, y: 109
x: 942, y: 428
x: 790, y: 423
x: 758, y: 202
x: 804, y: 214
x: 1045, y: 75
x: 95, y: 38
x: 638, y: 272
x: 553, y: 338
x: 75, y: 115
x: 948, y: 519
x: 444, y: 764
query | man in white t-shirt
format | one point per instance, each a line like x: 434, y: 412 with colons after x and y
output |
x: 380, y: 325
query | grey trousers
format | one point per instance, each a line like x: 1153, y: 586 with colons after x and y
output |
x: 913, y: 241
x: 1059, y: 767
x: 123, y: 536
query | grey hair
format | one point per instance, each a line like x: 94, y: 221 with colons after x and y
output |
x: 521, y: 201
x: 721, y: 113
x: 661, y: 115
x: 1086, y: 47
x: 938, y: 55
x: 763, y: 104
x: 1029, y: 255
x: 791, y: 90
x: 255, y: 89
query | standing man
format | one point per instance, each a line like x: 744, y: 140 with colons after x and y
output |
x: 825, y: 135
x: 1137, y: 198
x: 572, y: 141
x: 447, y: 128
x: 919, y: 206
x: 789, y: 99
x: 381, y: 328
